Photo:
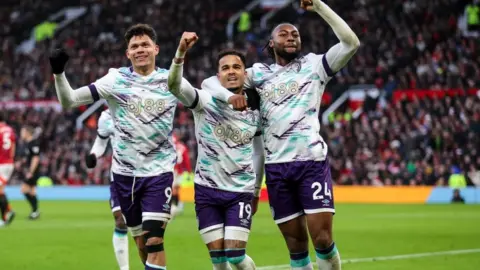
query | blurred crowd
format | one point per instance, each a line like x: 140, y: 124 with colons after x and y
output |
x: 419, y: 142
x: 406, y: 44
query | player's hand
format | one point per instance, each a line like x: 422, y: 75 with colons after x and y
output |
x: 29, y: 176
x: 255, y: 205
x: 91, y: 161
x: 187, y: 41
x: 306, y: 4
x: 239, y: 102
x: 58, y: 60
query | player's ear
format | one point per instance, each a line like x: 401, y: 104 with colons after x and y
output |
x: 127, y: 54
x: 157, y: 49
x: 270, y: 43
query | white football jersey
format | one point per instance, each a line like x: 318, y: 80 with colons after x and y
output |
x: 142, y: 110
x: 225, y: 142
x: 290, y: 98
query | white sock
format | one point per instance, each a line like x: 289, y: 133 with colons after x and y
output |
x: 120, y: 246
x: 222, y: 266
x: 246, y: 264
x: 330, y: 262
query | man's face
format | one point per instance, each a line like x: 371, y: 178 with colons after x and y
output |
x: 142, y: 51
x: 286, y: 41
x: 231, y: 72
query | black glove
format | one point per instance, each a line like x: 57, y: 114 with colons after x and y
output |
x: 91, y: 161
x: 58, y: 59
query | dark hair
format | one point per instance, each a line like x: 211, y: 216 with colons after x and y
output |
x: 3, y: 117
x: 231, y: 52
x: 140, y: 30
x: 270, y: 50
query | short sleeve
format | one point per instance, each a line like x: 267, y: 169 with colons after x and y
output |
x: 35, y: 148
x: 103, y: 87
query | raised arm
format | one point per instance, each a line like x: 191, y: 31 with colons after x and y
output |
x: 68, y: 97
x: 177, y: 85
x: 338, y: 55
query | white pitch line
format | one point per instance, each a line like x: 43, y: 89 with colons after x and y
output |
x: 386, y: 258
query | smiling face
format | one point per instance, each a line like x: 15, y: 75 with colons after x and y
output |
x: 231, y: 72
x: 142, y: 51
x: 286, y: 41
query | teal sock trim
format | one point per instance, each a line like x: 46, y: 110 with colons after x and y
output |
x: 236, y: 260
x: 218, y: 260
x: 328, y: 255
x: 300, y: 263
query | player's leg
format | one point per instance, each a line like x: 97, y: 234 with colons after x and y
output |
x: 120, y: 234
x: 3, y: 198
x: 237, y: 229
x: 29, y: 190
x: 318, y: 204
x: 176, y: 195
x: 288, y: 214
x: 210, y: 218
x: 7, y: 214
x: 126, y: 190
x: 156, y: 205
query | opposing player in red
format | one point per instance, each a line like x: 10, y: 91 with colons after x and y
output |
x: 183, y: 168
x: 7, y: 155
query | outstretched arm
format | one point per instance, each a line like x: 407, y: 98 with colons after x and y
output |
x: 68, y: 97
x: 215, y: 88
x: 337, y: 56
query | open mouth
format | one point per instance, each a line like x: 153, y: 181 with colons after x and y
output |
x: 141, y: 58
x: 232, y: 79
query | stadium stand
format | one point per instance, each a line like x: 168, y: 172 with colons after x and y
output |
x: 405, y: 45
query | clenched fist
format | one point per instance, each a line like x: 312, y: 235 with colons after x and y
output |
x: 58, y: 59
x: 239, y: 102
x: 187, y: 41
x: 306, y: 4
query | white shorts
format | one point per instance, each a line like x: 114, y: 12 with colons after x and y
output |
x: 6, y: 171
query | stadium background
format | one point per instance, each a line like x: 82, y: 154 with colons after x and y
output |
x: 402, y: 122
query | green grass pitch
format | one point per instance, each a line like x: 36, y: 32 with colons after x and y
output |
x: 78, y: 235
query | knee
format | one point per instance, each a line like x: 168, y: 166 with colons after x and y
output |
x: 154, y: 231
x: 323, y: 239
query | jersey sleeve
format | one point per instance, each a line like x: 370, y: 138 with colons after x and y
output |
x: 103, y: 87
x: 105, y: 125
x: 253, y: 100
x: 320, y: 64
x: 249, y: 79
x: 201, y: 101
x: 35, y: 148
